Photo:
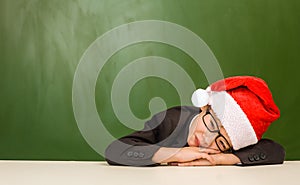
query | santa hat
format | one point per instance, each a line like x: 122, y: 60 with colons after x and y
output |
x: 243, y: 104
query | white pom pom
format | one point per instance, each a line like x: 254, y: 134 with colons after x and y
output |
x: 200, y: 98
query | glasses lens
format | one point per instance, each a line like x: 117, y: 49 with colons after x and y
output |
x: 210, y: 123
x: 223, y: 143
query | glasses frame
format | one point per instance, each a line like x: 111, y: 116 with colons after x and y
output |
x: 229, y: 150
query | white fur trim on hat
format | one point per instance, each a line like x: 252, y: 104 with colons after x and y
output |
x: 234, y: 120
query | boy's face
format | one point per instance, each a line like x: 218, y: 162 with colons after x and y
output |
x: 200, y: 136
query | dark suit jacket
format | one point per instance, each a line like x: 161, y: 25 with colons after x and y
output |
x: 170, y: 129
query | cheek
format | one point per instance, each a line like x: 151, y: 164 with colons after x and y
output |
x: 200, y: 128
x: 214, y: 145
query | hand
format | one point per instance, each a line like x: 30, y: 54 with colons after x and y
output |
x: 186, y: 154
x: 213, y: 159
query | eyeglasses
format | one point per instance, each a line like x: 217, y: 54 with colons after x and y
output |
x: 212, y: 126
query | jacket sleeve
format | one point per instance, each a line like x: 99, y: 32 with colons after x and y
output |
x: 138, y: 148
x: 264, y: 152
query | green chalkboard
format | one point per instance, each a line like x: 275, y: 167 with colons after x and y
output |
x: 42, y: 43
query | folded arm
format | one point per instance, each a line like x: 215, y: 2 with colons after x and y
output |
x: 153, y: 145
x: 265, y: 152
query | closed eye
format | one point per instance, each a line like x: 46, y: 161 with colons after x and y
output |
x: 212, y: 124
x: 222, y: 143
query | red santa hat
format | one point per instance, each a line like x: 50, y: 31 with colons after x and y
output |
x: 243, y: 104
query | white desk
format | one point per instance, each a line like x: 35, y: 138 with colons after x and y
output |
x: 90, y: 173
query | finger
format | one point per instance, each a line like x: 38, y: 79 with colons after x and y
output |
x: 173, y: 164
x: 200, y: 162
x: 209, y: 150
x: 205, y: 150
x: 207, y: 157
